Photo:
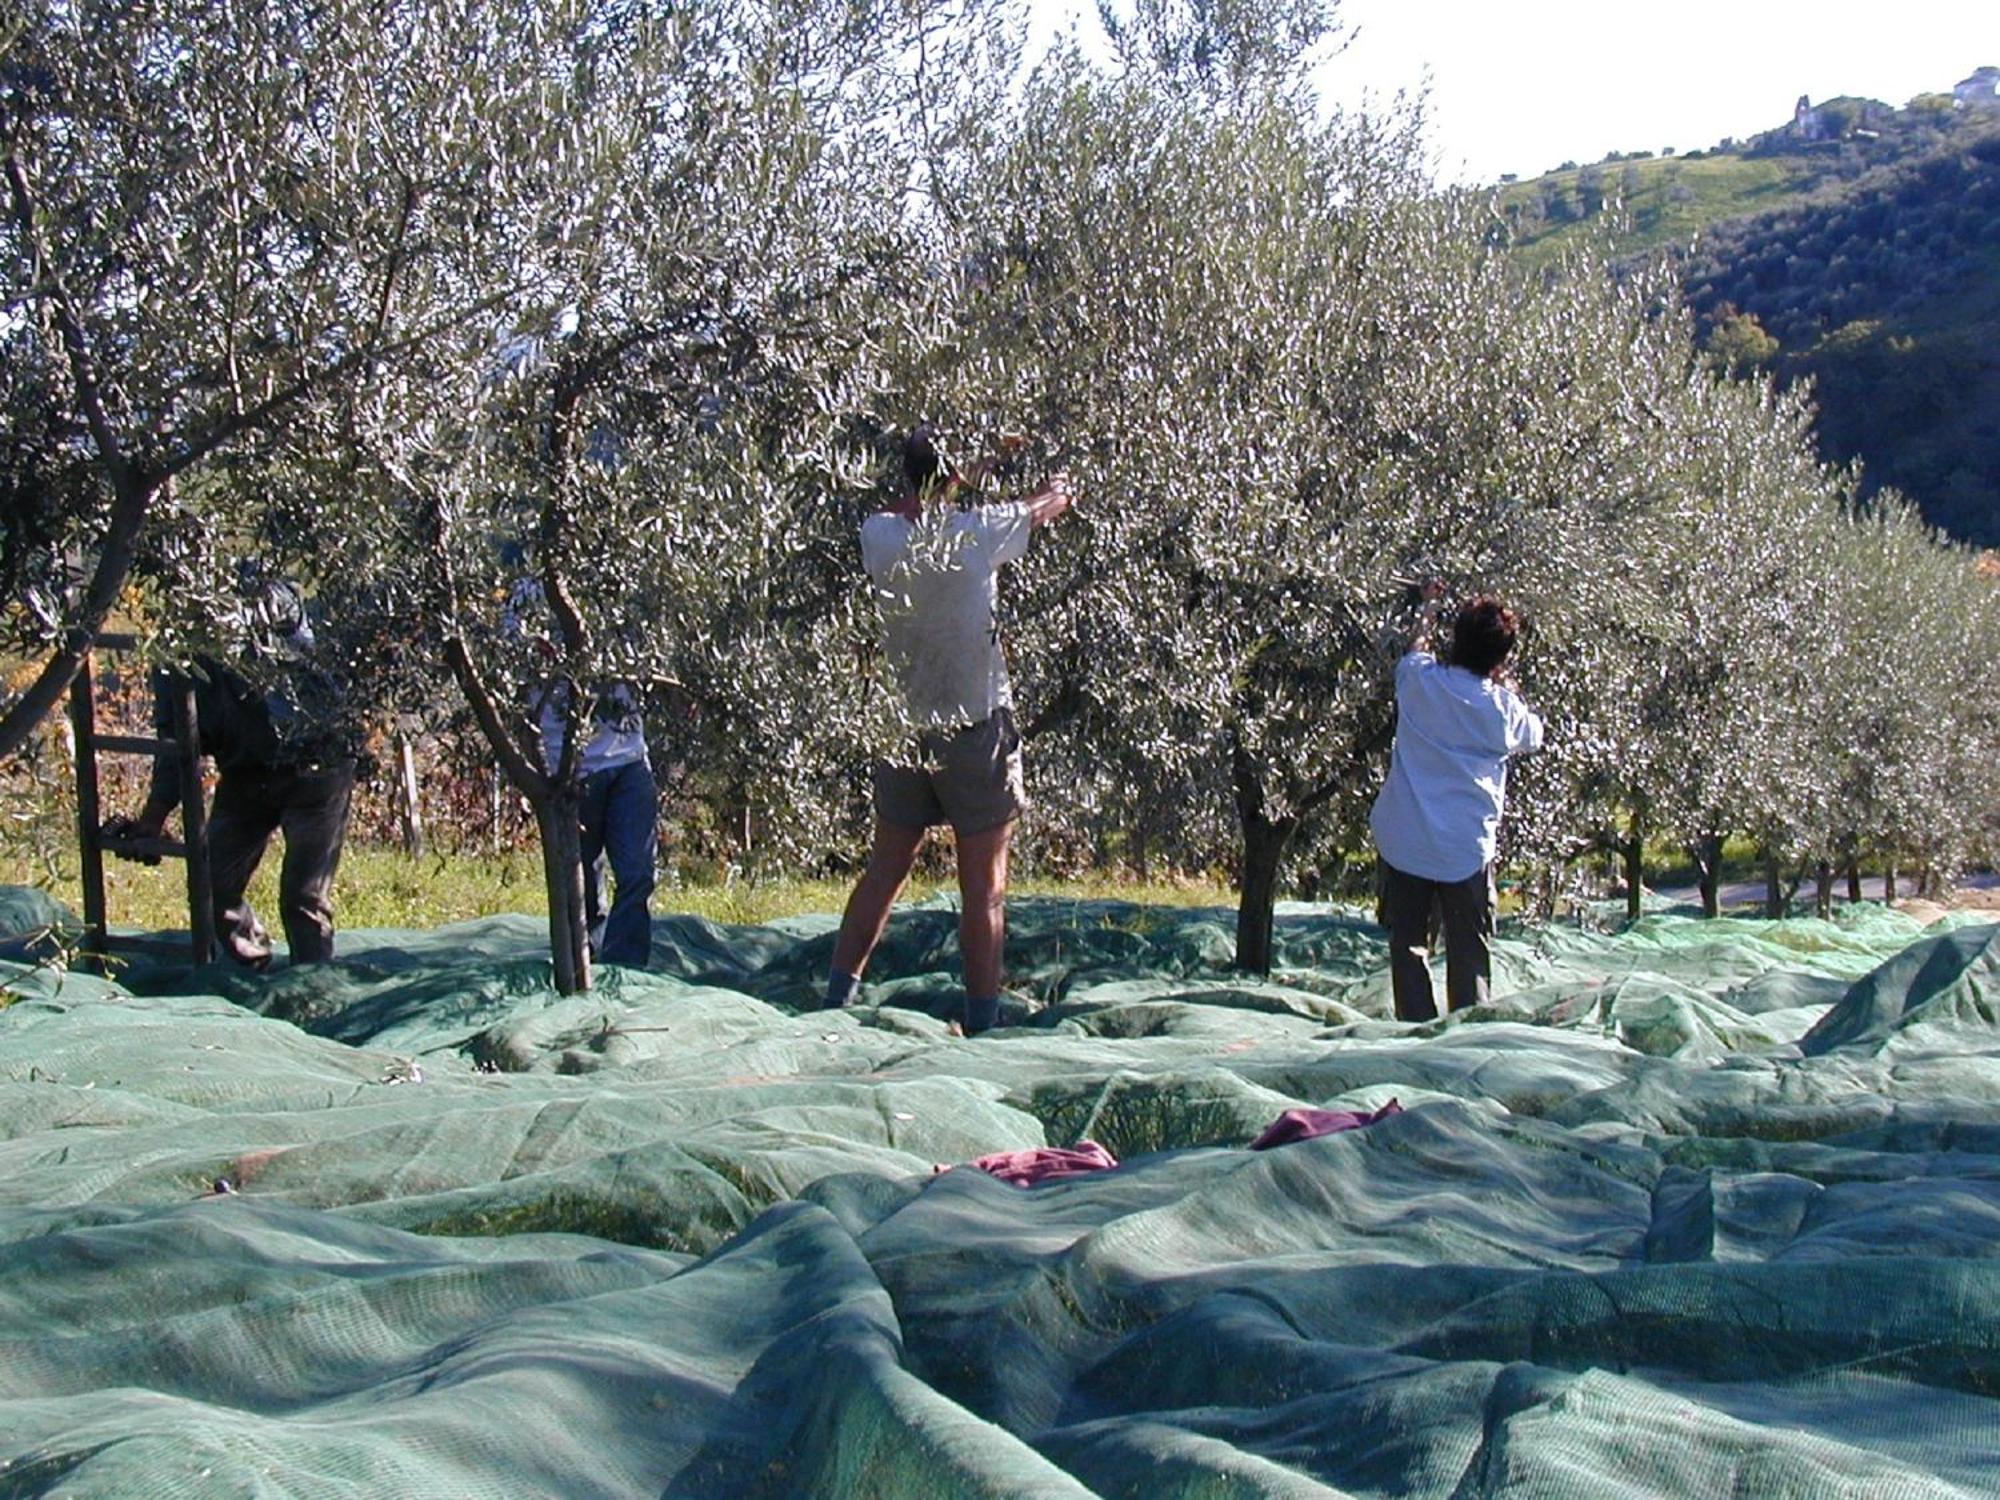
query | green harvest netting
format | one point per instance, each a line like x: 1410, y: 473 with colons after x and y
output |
x: 1699, y: 1208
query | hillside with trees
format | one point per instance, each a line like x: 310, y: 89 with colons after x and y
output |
x: 1864, y: 261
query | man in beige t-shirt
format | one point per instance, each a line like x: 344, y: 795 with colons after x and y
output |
x: 934, y: 569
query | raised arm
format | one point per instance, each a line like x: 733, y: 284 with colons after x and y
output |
x: 975, y: 475
x: 1050, y: 501
x: 1427, y: 613
x: 1044, y: 504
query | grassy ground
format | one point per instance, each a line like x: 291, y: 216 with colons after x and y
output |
x: 386, y: 888
x: 383, y: 887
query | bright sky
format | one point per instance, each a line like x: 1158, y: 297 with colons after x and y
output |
x: 1522, y: 85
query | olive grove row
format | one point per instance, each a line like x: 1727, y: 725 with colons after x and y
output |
x: 412, y: 300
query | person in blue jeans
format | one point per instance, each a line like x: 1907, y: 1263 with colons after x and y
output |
x: 619, y: 811
x: 618, y: 803
x: 1437, y: 819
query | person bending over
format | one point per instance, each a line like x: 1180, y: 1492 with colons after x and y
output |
x: 1437, y: 818
x: 934, y: 569
x: 285, y: 759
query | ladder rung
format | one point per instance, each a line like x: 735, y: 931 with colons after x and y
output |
x: 96, y: 843
x: 131, y: 744
x: 142, y: 848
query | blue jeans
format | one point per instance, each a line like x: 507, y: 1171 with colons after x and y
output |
x: 620, y: 814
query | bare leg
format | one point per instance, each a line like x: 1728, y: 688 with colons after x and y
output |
x: 982, y: 921
x: 889, y: 862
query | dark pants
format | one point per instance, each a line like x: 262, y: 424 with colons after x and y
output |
x: 309, y: 804
x: 620, y: 814
x: 1408, y: 905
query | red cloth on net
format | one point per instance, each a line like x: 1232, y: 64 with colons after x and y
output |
x: 1044, y: 1163
x: 1304, y: 1124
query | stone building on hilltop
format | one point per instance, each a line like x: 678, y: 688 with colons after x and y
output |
x: 1981, y: 90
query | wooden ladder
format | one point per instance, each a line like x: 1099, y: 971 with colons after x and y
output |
x: 192, y: 846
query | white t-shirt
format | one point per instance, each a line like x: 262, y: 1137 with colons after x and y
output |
x: 618, y: 735
x: 1438, y: 815
x: 935, y: 581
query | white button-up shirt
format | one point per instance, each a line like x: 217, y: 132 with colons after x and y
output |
x: 1438, y: 814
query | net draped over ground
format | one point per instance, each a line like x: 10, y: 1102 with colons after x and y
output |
x: 1698, y: 1207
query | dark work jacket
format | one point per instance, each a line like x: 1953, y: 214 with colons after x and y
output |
x: 236, y: 724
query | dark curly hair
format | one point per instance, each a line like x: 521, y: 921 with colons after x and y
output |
x: 1483, y: 634
x: 924, y: 467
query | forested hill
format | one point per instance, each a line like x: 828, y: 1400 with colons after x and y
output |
x: 1868, y: 260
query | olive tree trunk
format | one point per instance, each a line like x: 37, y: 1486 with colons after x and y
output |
x: 554, y: 798
x: 1633, y: 853
x: 1707, y: 852
x: 562, y: 869
x: 1265, y: 841
x: 1778, y: 891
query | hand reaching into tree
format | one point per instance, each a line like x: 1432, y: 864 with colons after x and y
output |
x: 1051, y: 500
x: 1432, y: 595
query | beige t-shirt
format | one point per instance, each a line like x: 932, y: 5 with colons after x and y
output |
x: 935, y: 581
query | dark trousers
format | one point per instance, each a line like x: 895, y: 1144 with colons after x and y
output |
x: 309, y: 804
x: 620, y: 816
x: 1409, y: 903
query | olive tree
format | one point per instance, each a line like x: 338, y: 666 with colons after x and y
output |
x: 1294, y: 381
x: 1905, y: 720
x: 1698, y: 706
x: 671, y: 432
x: 214, y: 216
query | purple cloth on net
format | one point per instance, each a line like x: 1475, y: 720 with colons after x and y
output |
x: 1045, y: 1163
x: 1304, y: 1124
x: 1051, y: 1163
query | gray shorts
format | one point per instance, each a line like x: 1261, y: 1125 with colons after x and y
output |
x: 969, y: 778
